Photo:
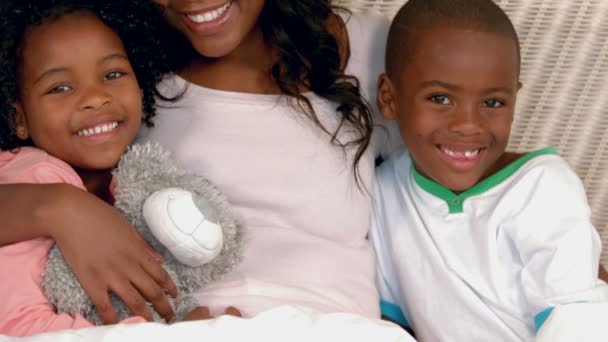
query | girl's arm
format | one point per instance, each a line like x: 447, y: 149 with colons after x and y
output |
x: 105, y: 252
x: 25, y: 310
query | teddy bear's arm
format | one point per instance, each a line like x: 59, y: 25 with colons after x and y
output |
x: 188, y: 228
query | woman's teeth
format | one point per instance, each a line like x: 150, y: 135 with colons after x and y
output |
x: 469, y: 154
x: 205, y: 17
x: 104, y: 128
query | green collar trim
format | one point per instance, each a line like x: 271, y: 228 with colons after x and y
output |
x: 455, y: 202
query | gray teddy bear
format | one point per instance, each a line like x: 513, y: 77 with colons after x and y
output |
x: 181, y: 215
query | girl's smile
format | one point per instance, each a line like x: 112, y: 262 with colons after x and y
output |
x: 79, y: 98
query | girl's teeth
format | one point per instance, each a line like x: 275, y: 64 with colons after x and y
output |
x: 209, y: 16
x: 97, y: 129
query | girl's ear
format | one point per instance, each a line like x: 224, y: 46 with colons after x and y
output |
x: 386, y: 97
x: 21, y: 129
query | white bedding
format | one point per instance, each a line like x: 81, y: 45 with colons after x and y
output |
x: 580, y: 322
x: 280, y: 324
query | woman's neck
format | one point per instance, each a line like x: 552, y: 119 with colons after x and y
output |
x: 98, y: 183
x: 246, y: 69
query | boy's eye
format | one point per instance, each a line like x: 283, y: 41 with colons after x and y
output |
x: 440, y: 99
x: 493, y: 103
x: 113, y: 75
x: 60, y: 89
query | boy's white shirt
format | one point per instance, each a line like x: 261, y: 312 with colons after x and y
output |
x: 483, y: 272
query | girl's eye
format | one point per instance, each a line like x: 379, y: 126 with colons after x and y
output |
x: 493, y: 103
x: 60, y: 89
x: 440, y: 99
x: 113, y: 75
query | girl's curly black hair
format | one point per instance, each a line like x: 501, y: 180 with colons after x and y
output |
x: 138, y: 23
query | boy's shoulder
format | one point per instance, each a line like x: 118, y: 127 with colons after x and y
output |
x: 538, y: 182
x: 396, y: 165
x: 541, y: 166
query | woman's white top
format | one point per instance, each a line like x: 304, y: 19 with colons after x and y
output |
x: 306, y: 219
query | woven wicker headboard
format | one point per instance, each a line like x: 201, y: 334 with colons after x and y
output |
x: 564, y: 102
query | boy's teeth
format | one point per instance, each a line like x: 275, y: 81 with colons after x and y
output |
x: 467, y: 154
x: 471, y: 154
x: 104, y: 128
x: 210, y: 15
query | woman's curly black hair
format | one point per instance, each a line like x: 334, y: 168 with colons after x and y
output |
x: 138, y: 23
x: 310, y: 59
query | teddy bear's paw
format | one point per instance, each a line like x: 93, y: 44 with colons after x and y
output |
x: 191, y: 233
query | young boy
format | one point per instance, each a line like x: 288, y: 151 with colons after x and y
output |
x: 473, y: 243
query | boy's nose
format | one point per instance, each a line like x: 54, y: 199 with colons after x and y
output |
x: 466, y: 121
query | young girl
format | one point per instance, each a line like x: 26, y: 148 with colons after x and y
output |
x: 271, y: 116
x: 76, y: 76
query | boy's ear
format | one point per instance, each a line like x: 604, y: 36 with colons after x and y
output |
x: 21, y: 129
x: 519, y: 85
x: 386, y: 97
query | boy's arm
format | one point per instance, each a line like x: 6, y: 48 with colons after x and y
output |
x: 389, y: 306
x: 556, y: 241
x: 603, y: 274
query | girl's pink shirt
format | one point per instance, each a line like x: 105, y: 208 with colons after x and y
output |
x: 24, y: 309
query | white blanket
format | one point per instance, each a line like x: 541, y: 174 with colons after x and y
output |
x: 281, y: 324
x: 580, y: 322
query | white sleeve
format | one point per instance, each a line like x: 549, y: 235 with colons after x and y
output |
x: 390, y: 305
x: 367, y: 37
x: 557, y: 243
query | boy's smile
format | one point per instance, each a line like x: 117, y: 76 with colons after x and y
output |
x: 454, y: 100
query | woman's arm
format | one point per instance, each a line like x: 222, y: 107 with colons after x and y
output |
x: 22, y: 208
x: 105, y: 252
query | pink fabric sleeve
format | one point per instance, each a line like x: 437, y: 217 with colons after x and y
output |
x: 32, y: 165
x: 24, y: 309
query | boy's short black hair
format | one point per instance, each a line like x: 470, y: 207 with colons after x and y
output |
x: 138, y: 23
x: 421, y: 15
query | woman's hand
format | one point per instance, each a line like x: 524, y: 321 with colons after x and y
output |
x: 108, y: 255
x: 203, y: 312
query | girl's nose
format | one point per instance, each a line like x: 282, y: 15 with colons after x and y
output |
x: 94, y: 98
